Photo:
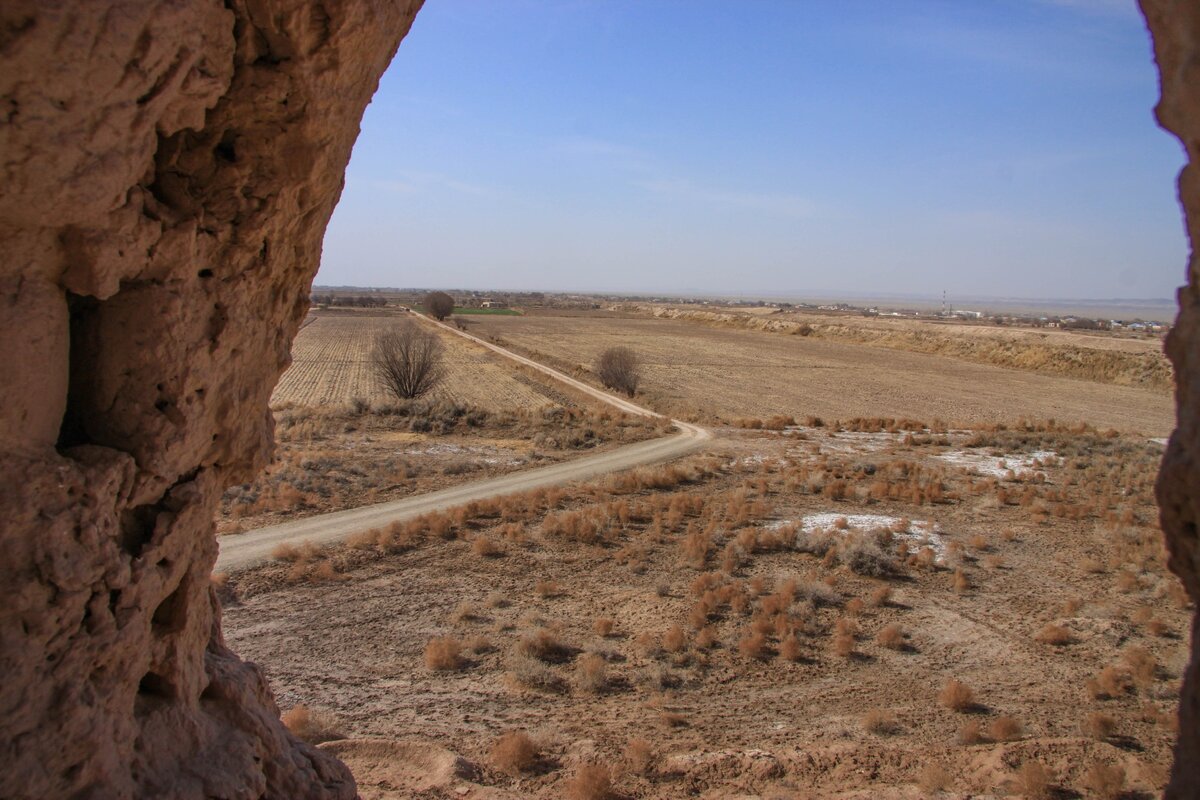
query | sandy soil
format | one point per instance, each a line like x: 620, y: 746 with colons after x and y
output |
x: 708, y: 372
x: 1055, y: 544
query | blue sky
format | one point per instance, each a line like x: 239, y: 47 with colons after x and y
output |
x: 987, y: 148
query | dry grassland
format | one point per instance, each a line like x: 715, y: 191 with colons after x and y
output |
x: 799, y: 613
x: 331, y: 366
x: 711, y: 373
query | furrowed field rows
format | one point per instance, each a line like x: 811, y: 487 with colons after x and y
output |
x: 331, y: 365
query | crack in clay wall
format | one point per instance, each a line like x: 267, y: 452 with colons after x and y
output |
x: 168, y: 172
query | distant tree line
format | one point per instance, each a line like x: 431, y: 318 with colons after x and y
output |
x: 352, y: 301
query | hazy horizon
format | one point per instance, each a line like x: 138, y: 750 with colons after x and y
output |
x: 1006, y: 151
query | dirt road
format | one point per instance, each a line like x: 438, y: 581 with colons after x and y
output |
x: 246, y: 549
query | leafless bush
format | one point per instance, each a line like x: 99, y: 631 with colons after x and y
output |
x: 408, y: 361
x: 618, y: 368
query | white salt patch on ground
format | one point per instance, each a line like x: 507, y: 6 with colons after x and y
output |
x: 1163, y: 442
x: 920, y: 533
x: 998, y: 467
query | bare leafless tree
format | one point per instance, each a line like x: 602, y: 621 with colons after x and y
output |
x: 408, y: 361
x: 439, y: 305
x: 618, y: 368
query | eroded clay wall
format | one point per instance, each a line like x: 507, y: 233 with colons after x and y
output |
x: 1175, y: 26
x: 168, y: 171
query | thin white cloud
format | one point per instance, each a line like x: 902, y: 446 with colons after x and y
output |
x: 1105, y: 8
x: 774, y: 203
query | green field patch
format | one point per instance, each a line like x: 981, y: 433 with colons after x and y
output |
x: 504, y: 312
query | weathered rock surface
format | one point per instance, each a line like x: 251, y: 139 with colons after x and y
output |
x: 1175, y: 26
x: 168, y: 170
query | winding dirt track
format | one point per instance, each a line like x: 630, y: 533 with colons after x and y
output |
x: 244, y: 550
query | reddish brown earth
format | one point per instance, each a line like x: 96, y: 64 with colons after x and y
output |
x: 169, y: 170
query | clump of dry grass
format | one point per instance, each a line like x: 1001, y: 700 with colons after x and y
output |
x: 881, y: 596
x: 674, y: 640
x: 640, y: 756
x: 891, y: 636
x: 513, y: 752
x: 1034, y: 781
x: 486, y: 548
x: 1099, y: 725
x: 547, y: 589
x: 1055, y: 635
x: 754, y: 645
x: 591, y: 782
x: 957, y: 696
x: 1105, y: 781
x: 1005, y: 729
x: 970, y: 733
x: 443, y: 654
x: 843, y: 645
x: 591, y: 673
x: 790, y: 649
x: 880, y: 721
x: 933, y: 778
x: 529, y: 673
x: 604, y: 626
x: 313, y: 727
x: 961, y: 583
x: 543, y: 645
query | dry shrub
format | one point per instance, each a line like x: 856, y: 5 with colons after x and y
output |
x: 1091, y: 566
x: 979, y: 542
x: 854, y: 606
x: 891, y: 637
x: 530, y: 673
x: 957, y: 696
x: 1099, y: 725
x: 604, y: 626
x: 962, y: 583
x: 970, y: 733
x: 485, y: 547
x: 543, y: 645
x: 591, y: 673
x: 514, y: 752
x: 789, y: 648
x: 1033, y: 780
x: 1127, y: 582
x: 1072, y: 606
x: 706, y: 638
x: 843, y: 645
x: 313, y: 727
x: 478, y: 644
x: 1142, y: 666
x: 881, y: 596
x: 673, y: 719
x: 753, y: 645
x: 464, y: 612
x: 933, y: 778
x: 1105, y: 781
x: 443, y: 654
x: 674, y: 640
x: 547, y: 588
x: 640, y: 756
x: 1111, y: 682
x: 1005, y: 729
x: 880, y: 721
x: 1054, y: 634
